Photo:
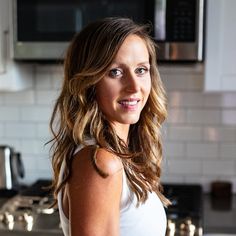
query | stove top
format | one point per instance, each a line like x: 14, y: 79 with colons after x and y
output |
x: 31, y: 211
x: 185, y: 215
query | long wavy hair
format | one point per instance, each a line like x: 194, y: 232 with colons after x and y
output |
x: 76, y: 116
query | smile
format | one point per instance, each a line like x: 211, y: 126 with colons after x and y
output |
x: 129, y: 102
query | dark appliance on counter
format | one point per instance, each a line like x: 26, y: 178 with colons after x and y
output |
x: 11, y: 168
x: 30, y: 212
x: 185, y: 215
x: 42, y: 29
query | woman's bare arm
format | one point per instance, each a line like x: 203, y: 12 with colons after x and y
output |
x: 94, y: 201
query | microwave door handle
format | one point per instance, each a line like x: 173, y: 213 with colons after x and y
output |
x: 160, y: 20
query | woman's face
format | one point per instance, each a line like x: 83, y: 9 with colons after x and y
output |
x: 123, y: 92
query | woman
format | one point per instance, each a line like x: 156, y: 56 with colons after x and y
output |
x: 106, y: 124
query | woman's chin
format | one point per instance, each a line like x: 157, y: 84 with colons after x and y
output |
x: 131, y: 120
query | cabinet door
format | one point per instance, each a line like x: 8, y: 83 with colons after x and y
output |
x: 220, y: 58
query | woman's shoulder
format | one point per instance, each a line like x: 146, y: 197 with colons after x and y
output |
x: 103, y: 161
x: 107, y: 162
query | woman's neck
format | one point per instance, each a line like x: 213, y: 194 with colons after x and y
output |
x: 122, y: 130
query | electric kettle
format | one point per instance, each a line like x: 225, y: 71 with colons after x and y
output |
x: 11, y: 168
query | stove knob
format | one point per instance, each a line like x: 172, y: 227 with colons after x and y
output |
x: 28, y: 217
x: 200, y: 231
x: 171, y: 228
x: 190, y: 227
x: 8, y: 217
x: 29, y: 220
x: 8, y: 220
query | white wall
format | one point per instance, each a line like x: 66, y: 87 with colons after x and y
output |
x: 199, y: 135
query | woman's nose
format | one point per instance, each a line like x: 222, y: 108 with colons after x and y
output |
x: 132, y: 84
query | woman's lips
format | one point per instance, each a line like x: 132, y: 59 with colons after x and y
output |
x: 130, y: 104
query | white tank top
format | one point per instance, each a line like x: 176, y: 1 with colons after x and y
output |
x: 148, y: 219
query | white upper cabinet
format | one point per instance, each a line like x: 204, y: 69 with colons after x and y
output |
x: 220, y: 58
x: 13, y: 75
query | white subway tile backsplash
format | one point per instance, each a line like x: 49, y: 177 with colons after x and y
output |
x: 33, y: 175
x: 43, y: 131
x: 35, y: 113
x: 177, y: 116
x: 173, y: 149
x: 9, y: 113
x: 26, y: 97
x: 20, y: 130
x: 185, y: 133
x: 219, y: 134
x: 218, y: 168
x: 43, y: 68
x: 204, y: 117
x: 184, y: 167
x: 228, y: 151
x: 43, y: 80
x: 183, y: 69
x: 2, y: 131
x: 46, y: 97
x: 12, y: 142
x: 34, y: 146
x: 57, y: 68
x: 229, y: 100
x: 167, y: 178
x: 57, y: 78
x: 185, y: 99
x: 212, y: 134
x: 232, y: 179
x: 223, y: 100
x: 2, y: 98
x: 44, y: 163
x: 29, y: 162
x: 229, y: 117
x: 57, y: 83
x: 182, y: 82
x: 212, y: 100
x: 202, y: 150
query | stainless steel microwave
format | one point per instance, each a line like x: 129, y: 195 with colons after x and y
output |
x: 42, y: 29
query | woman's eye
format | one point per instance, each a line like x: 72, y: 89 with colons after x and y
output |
x: 115, y: 73
x: 141, y: 70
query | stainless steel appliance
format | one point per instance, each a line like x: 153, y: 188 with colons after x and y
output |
x: 29, y: 213
x: 185, y: 215
x: 42, y: 28
x: 11, y: 168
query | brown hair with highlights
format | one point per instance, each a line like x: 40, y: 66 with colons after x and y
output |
x: 77, y: 117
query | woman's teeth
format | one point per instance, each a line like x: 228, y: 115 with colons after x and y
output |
x: 128, y: 103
